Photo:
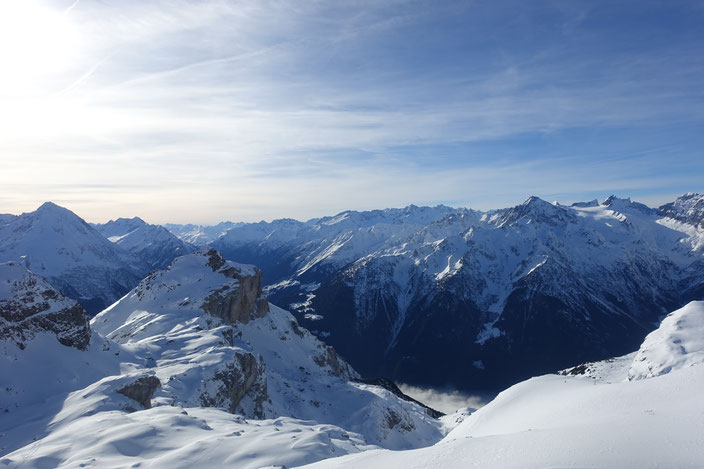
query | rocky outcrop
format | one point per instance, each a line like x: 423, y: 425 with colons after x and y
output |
x: 328, y: 358
x: 391, y: 386
x: 241, y: 303
x: 30, y: 305
x: 244, y: 377
x: 142, y: 390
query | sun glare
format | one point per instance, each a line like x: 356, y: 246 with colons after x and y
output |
x: 36, y: 44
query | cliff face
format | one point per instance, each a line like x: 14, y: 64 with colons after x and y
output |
x: 29, y: 305
x: 235, y: 303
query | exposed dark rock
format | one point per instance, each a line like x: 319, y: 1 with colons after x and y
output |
x: 35, y: 306
x: 142, y: 390
x: 241, y: 304
x: 329, y: 358
x: 243, y: 377
x: 391, y: 386
x: 394, y: 419
x: 215, y: 260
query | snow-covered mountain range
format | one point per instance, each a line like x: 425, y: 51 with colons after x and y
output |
x: 192, y: 367
x: 153, y: 244
x: 200, y: 235
x: 508, y: 293
x: 57, y: 244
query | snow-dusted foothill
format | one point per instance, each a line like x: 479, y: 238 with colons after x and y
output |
x: 153, y: 244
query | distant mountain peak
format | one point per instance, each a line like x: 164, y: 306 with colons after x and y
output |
x: 619, y: 204
x: 534, y: 199
x: 688, y: 208
x: 50, y: 206
x: 50, y: 209
x: 591, y: 203
x: 534, y: 209
x: 135, y: 220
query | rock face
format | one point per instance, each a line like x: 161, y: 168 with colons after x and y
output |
x: 240, y: 304
x: 29, y: 305
x: 142, y: 390
x: 244, y: 375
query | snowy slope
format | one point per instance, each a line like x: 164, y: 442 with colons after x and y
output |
x: 677, y: 343
x: 292, y: 373
x: 569, y: 421
x: 153, y: 244
x: 194, y: 366
x: 55, y: 243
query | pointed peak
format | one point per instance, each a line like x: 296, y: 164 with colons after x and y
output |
x: 534, y: 209
x: 610, y: 200
x: 51, y: 206
x: 534, y: 200
x: 620, y: 204
x: 51, y: 211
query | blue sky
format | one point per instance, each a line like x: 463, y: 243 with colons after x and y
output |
x: 209, y: 110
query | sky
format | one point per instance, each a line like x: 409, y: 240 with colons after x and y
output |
x: 203, y: 111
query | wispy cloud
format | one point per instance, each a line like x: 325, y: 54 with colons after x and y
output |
x: 447, y: 401
x: 262, y: 109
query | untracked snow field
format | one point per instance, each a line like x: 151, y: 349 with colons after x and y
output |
x: 568, y: 422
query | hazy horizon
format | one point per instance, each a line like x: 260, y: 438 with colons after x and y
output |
x: 256, y: 220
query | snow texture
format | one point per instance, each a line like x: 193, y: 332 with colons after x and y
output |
x: 613, y: 418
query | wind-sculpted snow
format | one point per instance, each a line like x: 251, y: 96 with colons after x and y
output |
x: 593, y: 415
x: 677, y: 343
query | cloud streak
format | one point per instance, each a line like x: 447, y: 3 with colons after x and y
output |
x: 265, y: 109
